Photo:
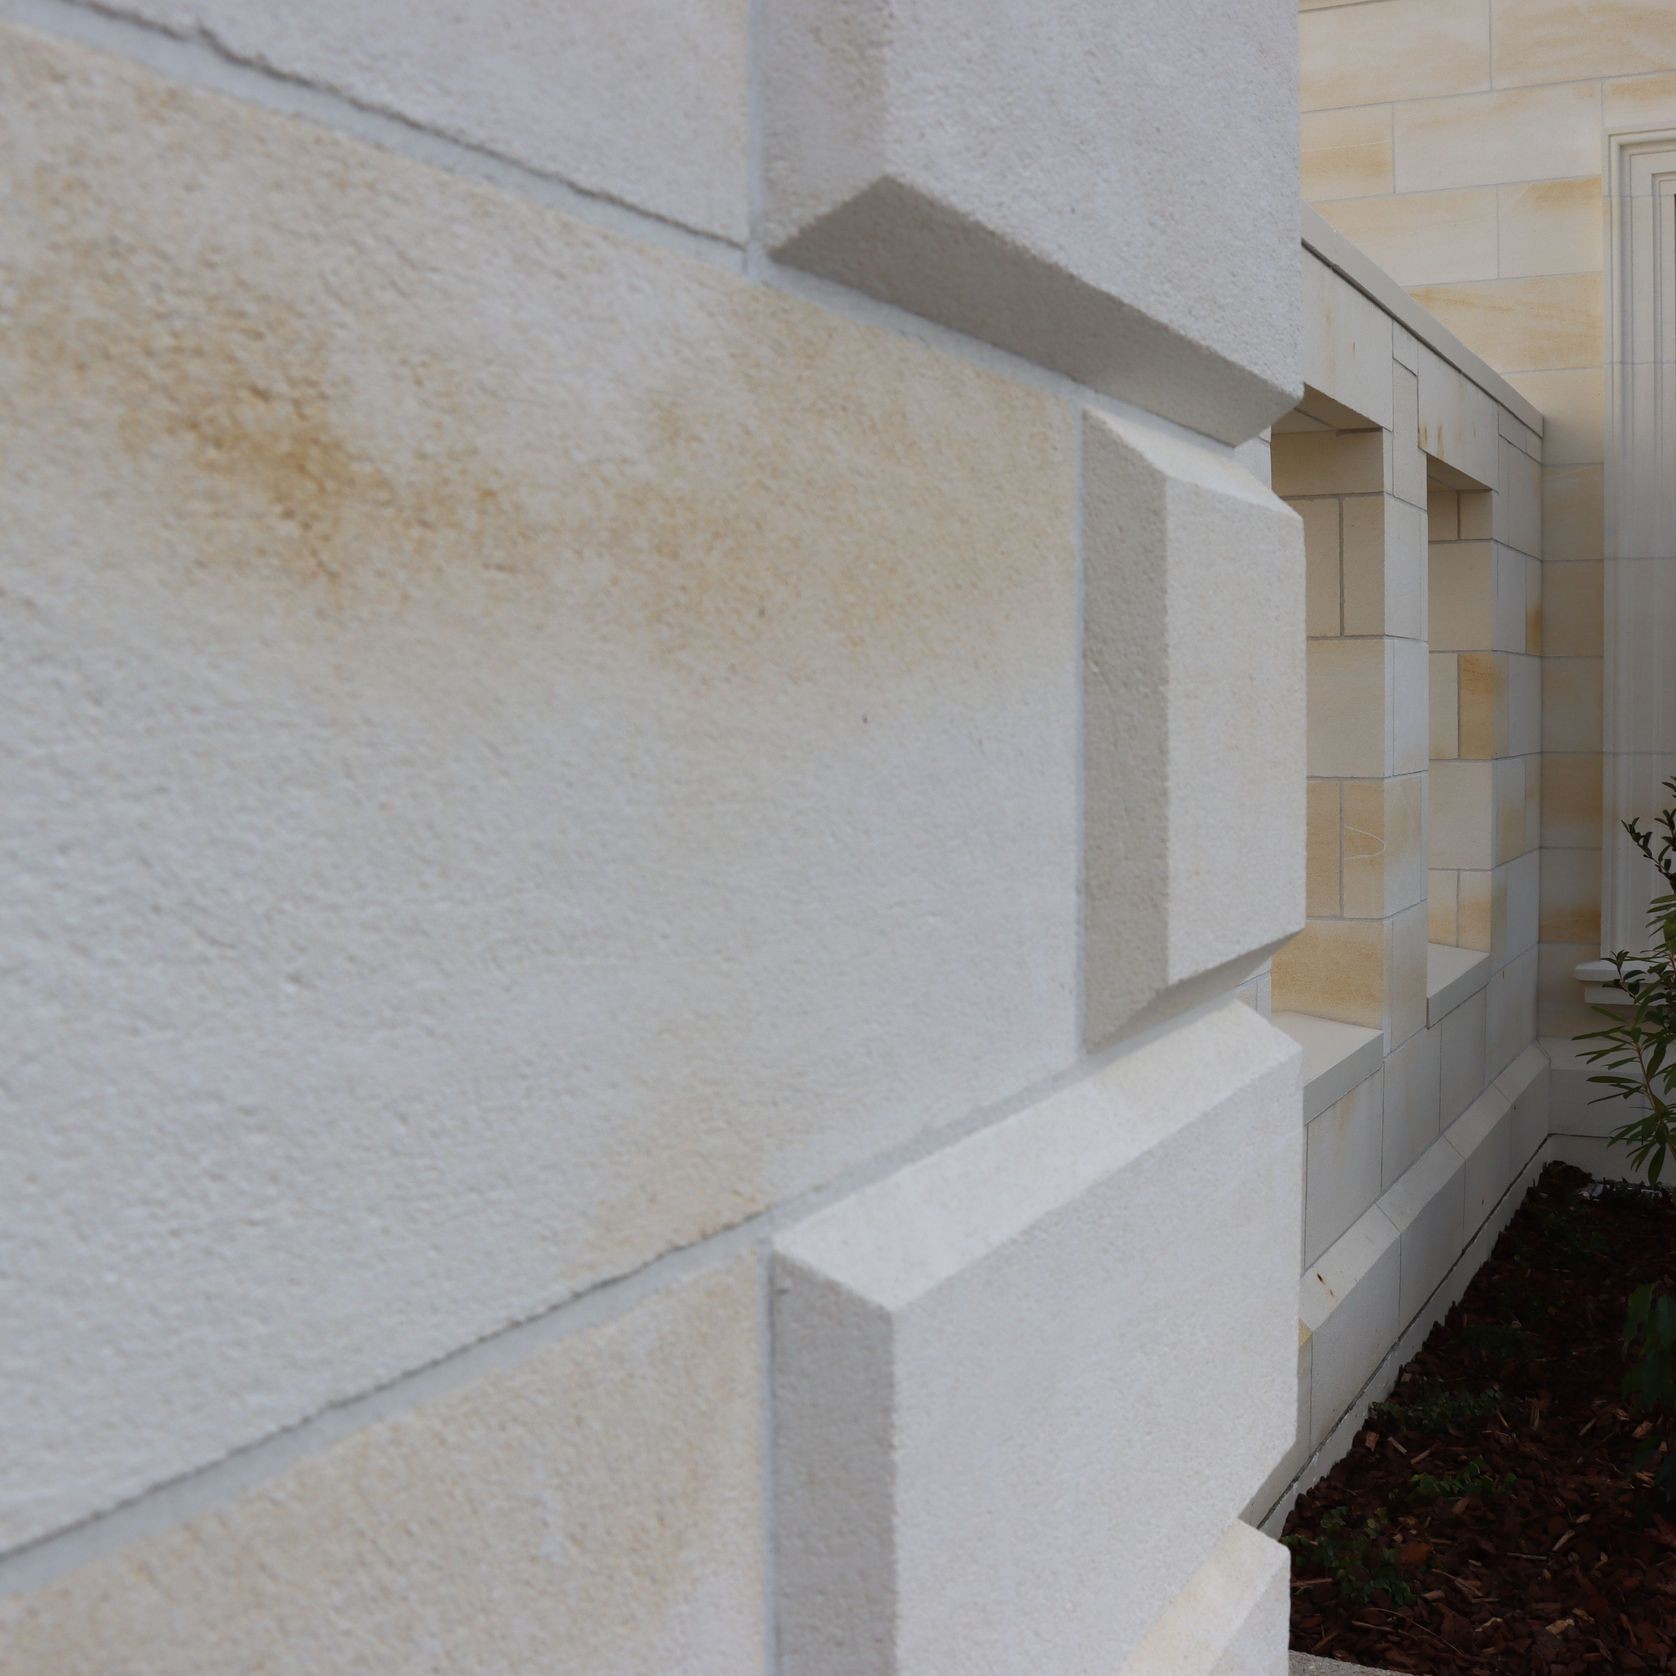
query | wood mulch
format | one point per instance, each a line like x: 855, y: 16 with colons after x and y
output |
x: 1513, y: 1530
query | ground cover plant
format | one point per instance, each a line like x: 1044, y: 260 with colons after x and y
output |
x: 1506, y: 1508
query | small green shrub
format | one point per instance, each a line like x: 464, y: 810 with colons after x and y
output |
x: 1431, y: 1408
x: 1356, y: 1557
x: 1474, y: 1479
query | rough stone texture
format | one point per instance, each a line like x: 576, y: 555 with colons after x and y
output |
x: 521, y: 750
x: 635, y: 100
x: 1231, y: 1620
x: 1193, y: 706
x: 981, y: 1401
x: 998, y: 167
x: 596, y: 1503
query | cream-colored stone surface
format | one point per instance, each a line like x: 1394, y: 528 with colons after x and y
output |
x: 1384, y: 845
x: 1350, y: 702
x: 1573, y: 405
x: 1639, y: 102
x: 1323, y: 613
x: 1538, y: 133
x: 1408, y: 462
x: 1423, y: 238
x: 484, y: 632
x: 1561, y: 40
x: 1551, y: 227
x: 1399, y: 49
x: 1518, y: 523
x: 1443, y: 906
x: 1571, y: 704
x: 1525, y: 324
x: 1193, y: 703
x: 1571, y: 801
x: 631, y: 99
x: 1335, y: 968
x: 1328, y: 463
x: 1509, y: 782
x: 1347, y: 153
x: 1477, y: 908
x: 1461, y: 814
x: 596, y: 1504
x: 1457, y: 423
x: 1461, y: 595
x: 1347, y: 349
x: 1444, y: 709
x: 1321, y: 872
x: 1384, y: 567
x: 1573, y: 624
x: 1571, y: 896
x: 1482, y: 704
x: 1573, y: 511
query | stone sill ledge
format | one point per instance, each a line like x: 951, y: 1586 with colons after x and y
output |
x: 1336, y: 1056
x: 1451, y: 976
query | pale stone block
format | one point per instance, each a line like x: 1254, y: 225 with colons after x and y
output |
x: 1303, y: 1442
x: 1427, y: 1208
x: 1443, y: 923
x: 1401, y: 49
x: 1444, y: 706
x: 1337, y: 969
x: 1516, y: 431
x: 1323, y: 848
x: 1384, y: 566
x: 1329, y: 463
x: 1443, y: 511
x: 1560, y: 1007
x: 1571, y: 705
x: 1347, y: 349
x: 1452, y: 975
x: 1522, y: 884
x: 1571, y: 801
x: 1526, y: 1085
x: 1573, y: 600
x: 1405, y: 1012
x: 1463, y: 1043
x: 1558, y: 40
x: 1524, y: 324
x: 1346, y: 153
x: 1508, y: 780
x: 1424, y: 238
x: 1460, y: 815
x: 1461, y: 595
x: 1350, y: 1302
x: 1639, y: 102
x: 1508, y: 634
x: 1477, y: 908
x: 1577, y: 1105
x: 1573, y: 512
x: 1524, y: 710
x: 1193, y: 704
x: 1016, y: 1299
x: 1410, y: 725
x: 1254, y: 456
x: 1413, y: 1091
x: 1533, y: 790
x: 454, y: 690
x: 995, y: 169
x: 1483, y: 1137
x: 1323, y: 613
x: 1342, y: 1151
x: 1642, y: 607
x: 600, y: 1497
x: 1232, y: 1619
x: 1573, y: 405
x: 1408, y: 462
x: 1552, y: 227
x: 1384, y: 845
x: 1478, y: 514
x: 1405, y: 348
x: 1533, y: 617
x: 1511, y: 1010
x: 628, y: 99
x: 1536, y: 133
x: 1457, y: 423
x: 1482, y: 703
x: 1571, y: 896
x: 1519, y: 504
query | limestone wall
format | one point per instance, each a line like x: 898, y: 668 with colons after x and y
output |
x: 654, y: 717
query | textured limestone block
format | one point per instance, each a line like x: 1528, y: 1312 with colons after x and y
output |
x: 596, y: 1502
x: 1347, y: 349
x: 1413, y: 1086
x: 1193, y: 708
x: 1427, y: 1208
x: 1526, y: 1083
x: 1303, y: 1439
x: 996, y: 167
x: 1384, y: 567
x: 1457, y: 423
x: 1348, y: 1301
x: 635, y: 100
x: 1342, y: 1151
x: 981, y: 1385
x: 1483, y: 1136
x: 1231, y: 1620
x: 511, y: 729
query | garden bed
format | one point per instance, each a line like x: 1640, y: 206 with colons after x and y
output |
x: 1513, y: 1521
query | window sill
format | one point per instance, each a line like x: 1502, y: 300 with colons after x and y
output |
x: 1336, y: 1056
x: 1451, y: 976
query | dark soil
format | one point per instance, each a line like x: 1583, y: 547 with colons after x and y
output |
x: 1515, y: 1523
